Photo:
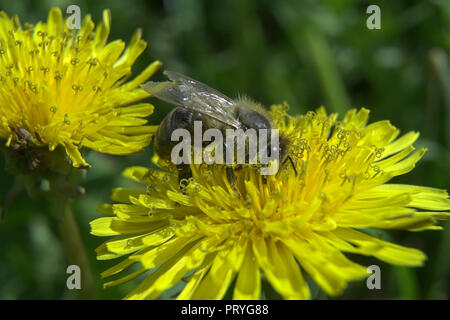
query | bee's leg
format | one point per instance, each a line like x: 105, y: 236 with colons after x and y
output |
x: 231, y: 177
x: 292, y: 164
x: 264, y: 180
x: 229, y: 171
x: 184, y: 172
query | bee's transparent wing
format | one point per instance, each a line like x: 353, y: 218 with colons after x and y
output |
x: 188, y: 93
x: 198, y: 86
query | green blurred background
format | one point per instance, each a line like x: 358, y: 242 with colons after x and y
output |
x: 308, y: 53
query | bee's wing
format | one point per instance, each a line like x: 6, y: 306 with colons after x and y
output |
x: 197, y: 85
x: 188, y: 93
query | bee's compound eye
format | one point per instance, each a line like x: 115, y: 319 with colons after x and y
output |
x: 254, y: 120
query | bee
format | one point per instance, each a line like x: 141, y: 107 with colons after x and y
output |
x: 195, y: 101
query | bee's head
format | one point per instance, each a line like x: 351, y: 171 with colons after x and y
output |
x: 283, y: 149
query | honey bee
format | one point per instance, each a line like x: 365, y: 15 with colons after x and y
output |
x: 195, y: 101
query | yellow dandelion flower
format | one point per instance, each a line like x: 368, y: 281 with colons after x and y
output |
x: 210, y: 233
x: 61, y: 87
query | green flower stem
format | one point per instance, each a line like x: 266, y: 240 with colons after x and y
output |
x: 76, y: 253
x: 440, y: 67
x: 12, y: 194
x: 327, y: 70
x: 407, y: 283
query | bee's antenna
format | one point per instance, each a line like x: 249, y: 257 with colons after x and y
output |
x: 293, y: 165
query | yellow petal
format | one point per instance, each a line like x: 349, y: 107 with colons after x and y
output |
x: 329, y: 268
x: 383, y: 250
x: 75, y: 155
x: 281, y: 269
x: 400, y: 144
x: 248, y: 284
x: 109, y: 226
x: 55, y: 22
x: 170, y: 272
x: 147, y: 73
x: 220, y: 275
